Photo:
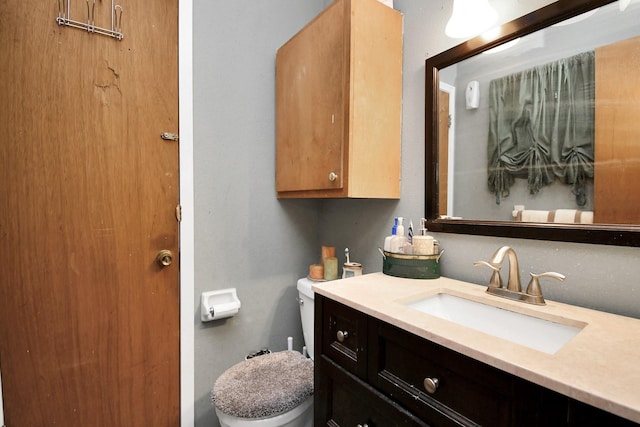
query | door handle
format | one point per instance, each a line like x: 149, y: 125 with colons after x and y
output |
x: 164, y: 258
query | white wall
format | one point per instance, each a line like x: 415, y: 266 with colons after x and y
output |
x: 246, y: 238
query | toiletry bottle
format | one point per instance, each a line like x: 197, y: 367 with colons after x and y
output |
x: 423, y: 244
x: 423, y: 227
x: 410, y: 232
x: 398, y: 241
x: 387, y: 240
x: 407, y: 248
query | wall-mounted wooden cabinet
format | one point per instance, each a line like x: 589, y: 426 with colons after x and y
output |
x: 339, y: 104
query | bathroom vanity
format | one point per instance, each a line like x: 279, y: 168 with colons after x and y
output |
x: 382, y: 360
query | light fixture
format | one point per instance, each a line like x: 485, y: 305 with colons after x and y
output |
x: 470, y: 18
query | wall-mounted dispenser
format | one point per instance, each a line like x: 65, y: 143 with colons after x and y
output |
x: 472, y: 95
x: 220, y: 304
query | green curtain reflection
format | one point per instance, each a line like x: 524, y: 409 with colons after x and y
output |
x: 541, y: 126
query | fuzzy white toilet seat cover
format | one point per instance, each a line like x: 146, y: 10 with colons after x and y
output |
x: 264, y: 386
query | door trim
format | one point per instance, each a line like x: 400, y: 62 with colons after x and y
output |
x: 451, y: 90
x: 1, y: 407
x: 187, y: 233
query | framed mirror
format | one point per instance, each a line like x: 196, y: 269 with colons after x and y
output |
x: 534, y: 131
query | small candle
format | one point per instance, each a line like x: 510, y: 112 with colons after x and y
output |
x: 330, y: 268
x: 327, y: 252
x: 316, y: 271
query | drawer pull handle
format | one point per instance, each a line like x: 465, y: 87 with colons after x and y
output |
x: 342, y: 335
x: 363, y: 425
x: 431, y: 384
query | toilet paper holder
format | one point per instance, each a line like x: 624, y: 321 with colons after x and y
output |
x: 219, y: 304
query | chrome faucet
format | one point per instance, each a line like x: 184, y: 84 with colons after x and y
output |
x: 533, y: 294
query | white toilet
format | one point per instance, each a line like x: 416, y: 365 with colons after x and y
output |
x: 273, y: 390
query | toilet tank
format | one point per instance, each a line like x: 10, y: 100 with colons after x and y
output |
x: 305, y: 298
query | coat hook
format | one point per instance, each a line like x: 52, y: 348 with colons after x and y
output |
x: 91, y: 8
x: 62, y: 13
x: 117, y: 26
x: 64, y: 18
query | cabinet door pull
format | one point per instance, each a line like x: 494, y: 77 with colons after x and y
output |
x: 342, y: 335
x: 363, y: 425
x: 333, y: 176
x: 431, y: 384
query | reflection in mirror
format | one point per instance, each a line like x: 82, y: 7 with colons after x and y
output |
x: 446, y: 143
x: 543, y: 134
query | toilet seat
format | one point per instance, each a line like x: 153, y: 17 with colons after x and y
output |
x: 264, y: 386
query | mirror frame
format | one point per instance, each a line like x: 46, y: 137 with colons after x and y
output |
x: 606, y: 234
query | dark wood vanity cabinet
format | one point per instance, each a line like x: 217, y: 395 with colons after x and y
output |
x: 371, y: 373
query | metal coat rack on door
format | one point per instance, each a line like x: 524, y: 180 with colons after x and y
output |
x: 64, y: 18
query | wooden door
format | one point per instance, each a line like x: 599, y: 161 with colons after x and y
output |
x: 89, y: 331
x: 617, y: 170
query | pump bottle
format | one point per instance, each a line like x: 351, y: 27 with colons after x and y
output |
x: 387, y: 240
x: 398, y: 241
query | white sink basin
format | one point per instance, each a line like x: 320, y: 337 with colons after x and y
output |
x: 532, y: 332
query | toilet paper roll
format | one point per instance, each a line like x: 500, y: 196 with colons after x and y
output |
x: 219, y: 304
x: 222, y: 311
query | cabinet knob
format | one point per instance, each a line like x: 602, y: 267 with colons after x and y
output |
x: 333, y: 176
x: 342, y: 335
x: 431, y: 384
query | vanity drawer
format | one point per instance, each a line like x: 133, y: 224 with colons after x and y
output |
x: 439, y: 385
x: 342, y: 399
x: 343, y: 335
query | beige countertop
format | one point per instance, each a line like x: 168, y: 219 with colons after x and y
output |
x: 599, y: 366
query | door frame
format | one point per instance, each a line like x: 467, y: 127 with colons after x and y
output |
x: 451, y: 90
x: 187, y: 233
x: 187, y: 229
x: 1, y: 407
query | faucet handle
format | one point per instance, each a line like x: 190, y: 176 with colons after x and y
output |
x: 534, y: 285
x: 495, y: 281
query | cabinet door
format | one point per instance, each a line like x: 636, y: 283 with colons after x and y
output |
x: 344, y: 400
x: 311, y: 90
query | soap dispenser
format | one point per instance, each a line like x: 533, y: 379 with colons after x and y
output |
x: 387, y: 240
x: 398, y: 241
x: 423, y: 244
